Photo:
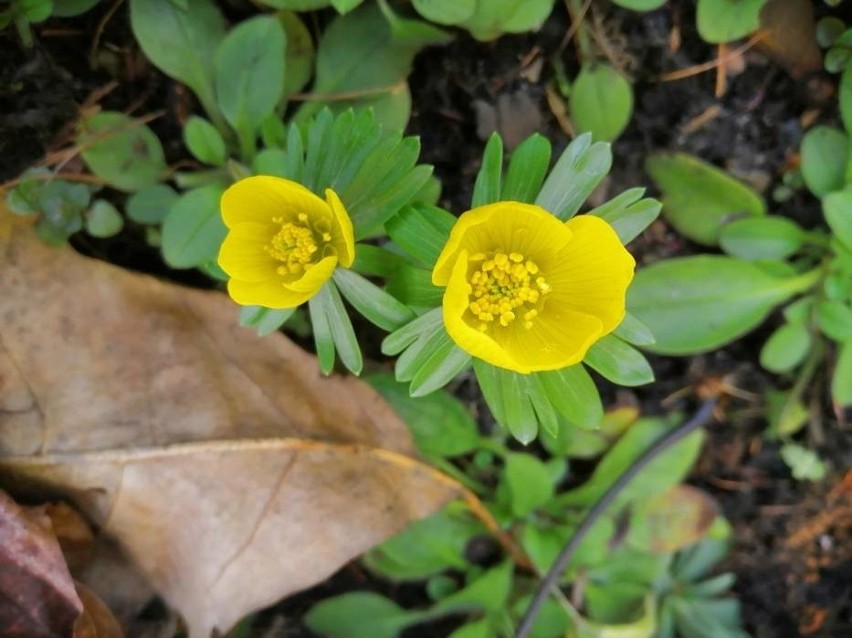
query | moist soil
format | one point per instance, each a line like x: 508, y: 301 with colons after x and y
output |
x: 792, y: 551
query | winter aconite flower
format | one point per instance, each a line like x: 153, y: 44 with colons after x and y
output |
x: 283, y: 241
x: 528, y: 292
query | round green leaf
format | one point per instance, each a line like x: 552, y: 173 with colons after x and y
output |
x: 601, y: 101
x: 150, y: 205
x: 837, y: 209
x: 204, y: 141
x: 696, y: 304
x: 698, y: 198
x: 122, y: 151
x: 528, y: 481
x: 103, y: 220
x: 761, y: 238
x: 825, y: 151
x: 71, y: 8
x: 640, y: 5
x: 449, y: 12
x: 299, y: 53
x: 835, y: 320
x: 786, y: 348
x: 193, y: 229
x: 726, y: 20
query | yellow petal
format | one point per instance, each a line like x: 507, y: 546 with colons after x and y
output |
x: 315, y: 276
x: 270, y: 294
x: 506, y: 226
x: 343, y: 240
x: 468, y: 338
x: 243, y: 253
x: 559, y: 337
x: 593, y: 272
x: 262, y: 198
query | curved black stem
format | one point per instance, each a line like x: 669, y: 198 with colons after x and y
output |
x: 701, y: 417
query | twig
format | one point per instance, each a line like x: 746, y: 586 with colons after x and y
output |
x: 681, y: 74
x: 550, y: 582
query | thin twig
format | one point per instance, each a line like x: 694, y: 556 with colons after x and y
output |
x: 550, y: 582
x: 681, y: 74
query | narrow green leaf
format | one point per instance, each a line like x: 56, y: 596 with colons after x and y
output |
x: 375, y: 261
x: 619, y: 362
x: 294, y: 167
x: 371, y: 301
x: 445, y: 363
x: 579, y: 170
x: 573, y: 394
x: 527, y: 169
x: 323, y: 337
x: 631, y: 220
x: 489, y: 379
x: 421, y: 231
x: 319, y: 136
x: 618, y: 203
x: 486, y: 189
x: 413, y: 286
x: 634, y: 331
x: 400, y: 339
x: 270, y: 161
x: 264, y: 320
x: 521, y: 419
x: 418, y: 353
x: 345, y: 341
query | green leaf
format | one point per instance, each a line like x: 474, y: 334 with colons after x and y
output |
x: 835, y: 320
x: 640, y: 5
x: 837, y: 209
x: 270, y: 161
x: 573, y: 395
x: 619, y: 362
x: 71, y: 8
x: 579, y: 170
x: 204, y: 141
x: 786, y: 348
x: 527, y: 169
x: 444, y: 362
x: 528, y: 482
x: 805, y: 464
x: 421, y: 231
x: 345, y: 341
x: 413, y: 286
x: 345, y: 6
x: 758, y: 238
x: 496, y: 17
x: 824, y: 153
x: 371, y: 301
x: 375, y: 261
x: 486, y: 189
x: 696, y: 304
x: 151, y: 204
x: 103, y: 220
x: 508, y: 397
x: 323, y: 338
x: 299, y: 54
x: 841, y: 382
x: 264, y: 320
x: 426, y: 547
x: 665, y: 471
x: 671, y: 521
x: 631, y: 219
x: 360, y: 615
x: 634, y: 331
x: 121, y: 150
x: 440, y: 424
x: 181, y: 42
x: 249, y: 67
x: 699, y: 198
x: 845, y: 91
x: 601, y: 101
x: 707, y: 618
x: 449, y: 12
x: 488, y: 591
x: 358, y: 53
x: 727, y: 20
x: 400, y: 339
x: 544, y: 543
x: 785, y: 412
x: 193, y: 230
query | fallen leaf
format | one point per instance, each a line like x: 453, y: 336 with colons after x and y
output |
x: 97, y: 620
x: 790, y: 35
x: 223, y: 464
x: 675, y: 519
x: 37, y: 597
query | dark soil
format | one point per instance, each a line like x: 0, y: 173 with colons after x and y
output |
x: 792, y: 552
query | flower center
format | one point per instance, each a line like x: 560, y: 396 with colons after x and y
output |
x: 294, y: 245
x: 504, y: 287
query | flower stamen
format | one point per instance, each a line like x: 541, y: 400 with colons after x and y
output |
x: 294, y: 246
x: 503, y: 288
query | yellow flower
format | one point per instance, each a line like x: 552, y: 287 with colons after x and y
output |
x: 283, y: 241
x: 528, y: 292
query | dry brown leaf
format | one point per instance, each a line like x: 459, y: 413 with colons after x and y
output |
x: 790, y: 35
x: 225, y: 466
x: 97, y: 620
x: 675, y: 519
x: 37, y: 597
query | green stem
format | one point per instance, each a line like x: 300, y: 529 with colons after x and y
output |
x: 584, y: 42
x: 803, y: 282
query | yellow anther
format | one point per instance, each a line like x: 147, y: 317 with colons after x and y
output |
x: 476, y: 257
x: 294, y: 245
x: 503, y: 288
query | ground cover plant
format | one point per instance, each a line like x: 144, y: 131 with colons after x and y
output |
x: 449, y: 201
